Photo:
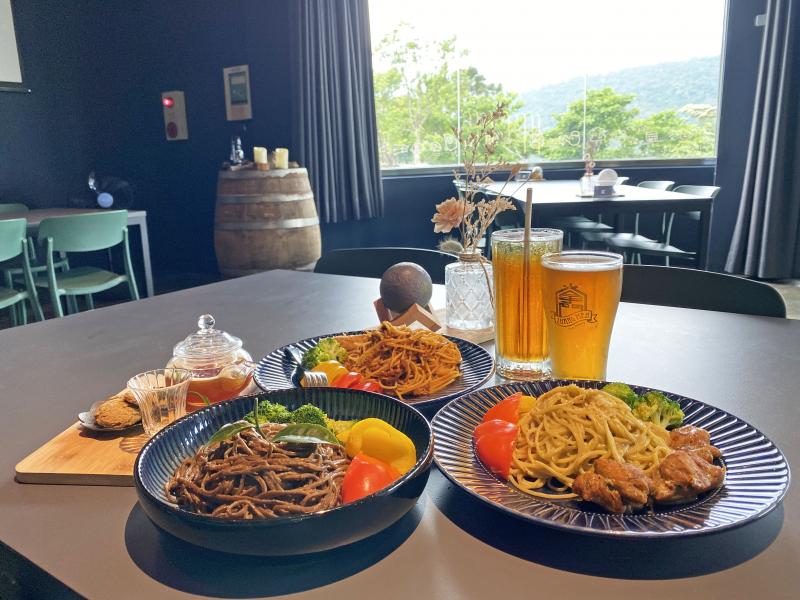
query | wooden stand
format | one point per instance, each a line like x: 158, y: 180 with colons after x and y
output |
x: 414, y: 314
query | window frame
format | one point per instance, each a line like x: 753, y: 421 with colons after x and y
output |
x: 562, y: 165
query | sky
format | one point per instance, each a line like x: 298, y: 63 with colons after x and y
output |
x: 528, y: 44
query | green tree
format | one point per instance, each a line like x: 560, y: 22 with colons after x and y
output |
x: 608, y: 118
x: 417, y: 101
x: 614, y: 130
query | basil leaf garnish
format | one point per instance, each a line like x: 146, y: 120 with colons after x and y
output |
x: 306, y: 433
x: 228, y: 431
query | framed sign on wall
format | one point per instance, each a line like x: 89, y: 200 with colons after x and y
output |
x: 11, y: 79
x: 238, y: 103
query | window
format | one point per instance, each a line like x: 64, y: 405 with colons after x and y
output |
x: 623, y: 79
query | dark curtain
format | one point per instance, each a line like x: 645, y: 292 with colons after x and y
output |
x: 334, y: 133
x: 766, y: 240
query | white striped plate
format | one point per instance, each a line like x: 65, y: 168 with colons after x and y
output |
x: 757, y: 475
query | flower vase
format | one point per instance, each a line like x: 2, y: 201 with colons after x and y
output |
x: 468, y: 285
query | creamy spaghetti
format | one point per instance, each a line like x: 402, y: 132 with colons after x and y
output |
x: 406, y: 362
x: 568, y: 428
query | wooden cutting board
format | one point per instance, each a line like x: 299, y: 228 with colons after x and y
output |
x: 77, y: 456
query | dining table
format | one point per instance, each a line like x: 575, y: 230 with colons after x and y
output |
x: 65, y: 541
x: 136, y: 218
x: 553, y: 198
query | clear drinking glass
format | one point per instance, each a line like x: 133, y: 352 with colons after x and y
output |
x: 581, y: 295
x: 161, y: 396
x: 520, y: 332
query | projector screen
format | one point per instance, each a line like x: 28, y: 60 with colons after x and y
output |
x: 10, y: 69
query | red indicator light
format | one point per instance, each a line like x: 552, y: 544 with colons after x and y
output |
x: 167, y: 101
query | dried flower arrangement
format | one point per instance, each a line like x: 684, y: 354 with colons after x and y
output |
x: 470, y: 216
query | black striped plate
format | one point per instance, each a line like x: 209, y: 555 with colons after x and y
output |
x: 757, y: 475
x: 274, y: 371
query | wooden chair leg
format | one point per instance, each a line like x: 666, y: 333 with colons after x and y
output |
x: 89, y: 302
x: 72, y: 305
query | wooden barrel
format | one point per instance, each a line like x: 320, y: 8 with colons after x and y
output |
x: 265, y: 220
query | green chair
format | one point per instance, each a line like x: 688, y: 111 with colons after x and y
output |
x: 372, y: 262
x: 84, y: 233
x: 12, y: 245
x: 692, y: 288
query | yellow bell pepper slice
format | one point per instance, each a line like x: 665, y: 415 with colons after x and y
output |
x: 525, y: 404
x: 332, y: 369
x: 378, y: 439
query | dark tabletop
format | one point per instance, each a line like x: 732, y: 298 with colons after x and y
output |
x: 96, y: 541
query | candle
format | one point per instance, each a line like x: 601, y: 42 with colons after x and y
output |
x: 281, y: 158
x: 259, y: 154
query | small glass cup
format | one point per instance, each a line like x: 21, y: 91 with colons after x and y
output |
x: 581, y: 292
x: 161, y: 396
x: 520, y: 332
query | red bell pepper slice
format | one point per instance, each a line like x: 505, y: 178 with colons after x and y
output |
x: 505, y: 410
x: 494, y: 445
x: 350, y: 380
x: 366, y: 475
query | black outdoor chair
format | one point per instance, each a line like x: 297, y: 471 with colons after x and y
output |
x: 634, y: 248
x: 690, y: 288
x: 372, y: 262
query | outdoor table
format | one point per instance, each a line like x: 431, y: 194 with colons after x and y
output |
x: 97, y: 543
x: 554, y: 198
x: 135, y: 217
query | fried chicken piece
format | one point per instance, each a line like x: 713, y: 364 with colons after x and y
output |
x: 596, y: 488
x: 633, y: 485
x: 618, y: 487
x: 117, y: 411
x: 684, y: 475
x: 695, y: 440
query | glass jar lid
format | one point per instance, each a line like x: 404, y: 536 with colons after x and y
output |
x: 208, y: 345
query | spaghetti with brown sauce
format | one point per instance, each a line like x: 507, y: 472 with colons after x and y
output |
x: 406, y: 362
x: 249, y: 477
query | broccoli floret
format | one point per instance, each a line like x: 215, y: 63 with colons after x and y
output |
x: 657, y: 408
x: 622, y: 391
x: 326, y: 349
x: 270, y: 412
x: 310, y: 414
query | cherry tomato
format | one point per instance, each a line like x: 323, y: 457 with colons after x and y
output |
x: 505, y: 410
x: 370, y: 386
x: 349, y: 380
x: 366, y: 475
x: 494, y: 445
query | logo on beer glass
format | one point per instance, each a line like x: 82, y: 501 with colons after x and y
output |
x: 571, y: 307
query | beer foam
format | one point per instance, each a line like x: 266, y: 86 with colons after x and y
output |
x: 582, y: 262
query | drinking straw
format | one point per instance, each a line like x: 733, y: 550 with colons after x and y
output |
x: 526, y: 254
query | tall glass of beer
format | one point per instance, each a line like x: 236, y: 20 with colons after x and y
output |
x: 581, y: 294
x: 520, y: 332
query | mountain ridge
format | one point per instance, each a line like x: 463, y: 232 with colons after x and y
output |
x: 657, y: 87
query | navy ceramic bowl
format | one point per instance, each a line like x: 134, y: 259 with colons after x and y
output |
x: 286, y: 535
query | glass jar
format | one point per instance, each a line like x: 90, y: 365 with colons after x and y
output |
x: 468, y: 285
x: 221, y: 368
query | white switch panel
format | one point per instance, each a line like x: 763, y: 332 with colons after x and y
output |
x: 174, y: 105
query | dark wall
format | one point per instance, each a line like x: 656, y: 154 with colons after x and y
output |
x: 96, y: 69
x: 157, y: 46
x: 45, y: 145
